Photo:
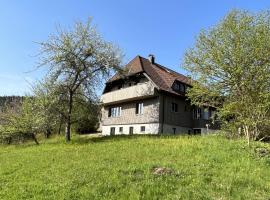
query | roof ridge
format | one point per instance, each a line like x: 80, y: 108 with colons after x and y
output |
x: 168, y: 69
x: 175, y: 75
x: 164, y: 68
x: 153, y: 71
x: 162, y: 76
x: 140, y: 58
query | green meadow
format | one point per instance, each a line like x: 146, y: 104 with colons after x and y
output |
x: 136, y: 167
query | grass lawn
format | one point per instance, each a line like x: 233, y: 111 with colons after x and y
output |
x: 202, y: 167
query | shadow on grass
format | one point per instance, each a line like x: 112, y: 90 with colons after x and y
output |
x: 94, y: 138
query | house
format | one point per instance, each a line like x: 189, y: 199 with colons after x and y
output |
x: 148, y: 98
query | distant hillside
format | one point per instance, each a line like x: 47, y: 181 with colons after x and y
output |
x: 10, y: 101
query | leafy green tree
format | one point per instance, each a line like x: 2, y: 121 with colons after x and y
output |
x: 48, y: 105
x: 78, y: 60
x: 230, y: 63
x: 86, y: 116
x: 21, y: 122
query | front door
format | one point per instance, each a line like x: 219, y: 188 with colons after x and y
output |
x: 130, y: 130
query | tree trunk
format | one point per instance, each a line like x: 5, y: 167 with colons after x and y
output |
x: 59, y: 129
x: 34, y: 138
x: 48, y: 133
x: 60, y: 125
x: 68, y: 127
x: 247, y: 134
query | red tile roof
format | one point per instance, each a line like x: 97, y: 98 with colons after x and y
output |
x: 162, y: 76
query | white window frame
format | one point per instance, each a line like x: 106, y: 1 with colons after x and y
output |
x: 140, y: 108
x: 116, y: 111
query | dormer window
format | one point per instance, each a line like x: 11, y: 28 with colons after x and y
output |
x: 182, y: 87
x: 179, y: 87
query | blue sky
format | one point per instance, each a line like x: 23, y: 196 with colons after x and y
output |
x: 163, y: 28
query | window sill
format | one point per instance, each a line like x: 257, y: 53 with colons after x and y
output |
x: 115, y: 117
x: 174, y: 111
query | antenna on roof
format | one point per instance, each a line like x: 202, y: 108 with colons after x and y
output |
x: 151, y: 58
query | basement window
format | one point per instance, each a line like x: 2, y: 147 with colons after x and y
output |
x: 112, y: 131
x: 120, y: 129
x: 142, y: 129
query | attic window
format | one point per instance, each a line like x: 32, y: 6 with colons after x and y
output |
x: 179, y: 87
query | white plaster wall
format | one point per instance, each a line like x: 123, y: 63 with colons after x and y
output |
x: 204, y: 131
x: 152, y: 128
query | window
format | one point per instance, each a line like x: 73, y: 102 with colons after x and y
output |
x: 115, y: 112
x: 139, y: 108
x: 120, y: 129
x: 197, y: 113
x: 174, y: 107
x: 182, y: 88
x: 212, y: 113
x: 143, y: 129
x: 197, y: 131
x: 206, y: 113
x: 174, y: 131
x: 120, y: 86
x: 112, y: 132
x: 179, y: 87
x: 130, y: 130
x: 176, y: 86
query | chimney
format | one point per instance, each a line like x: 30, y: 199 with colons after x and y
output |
x: 151, y: 58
